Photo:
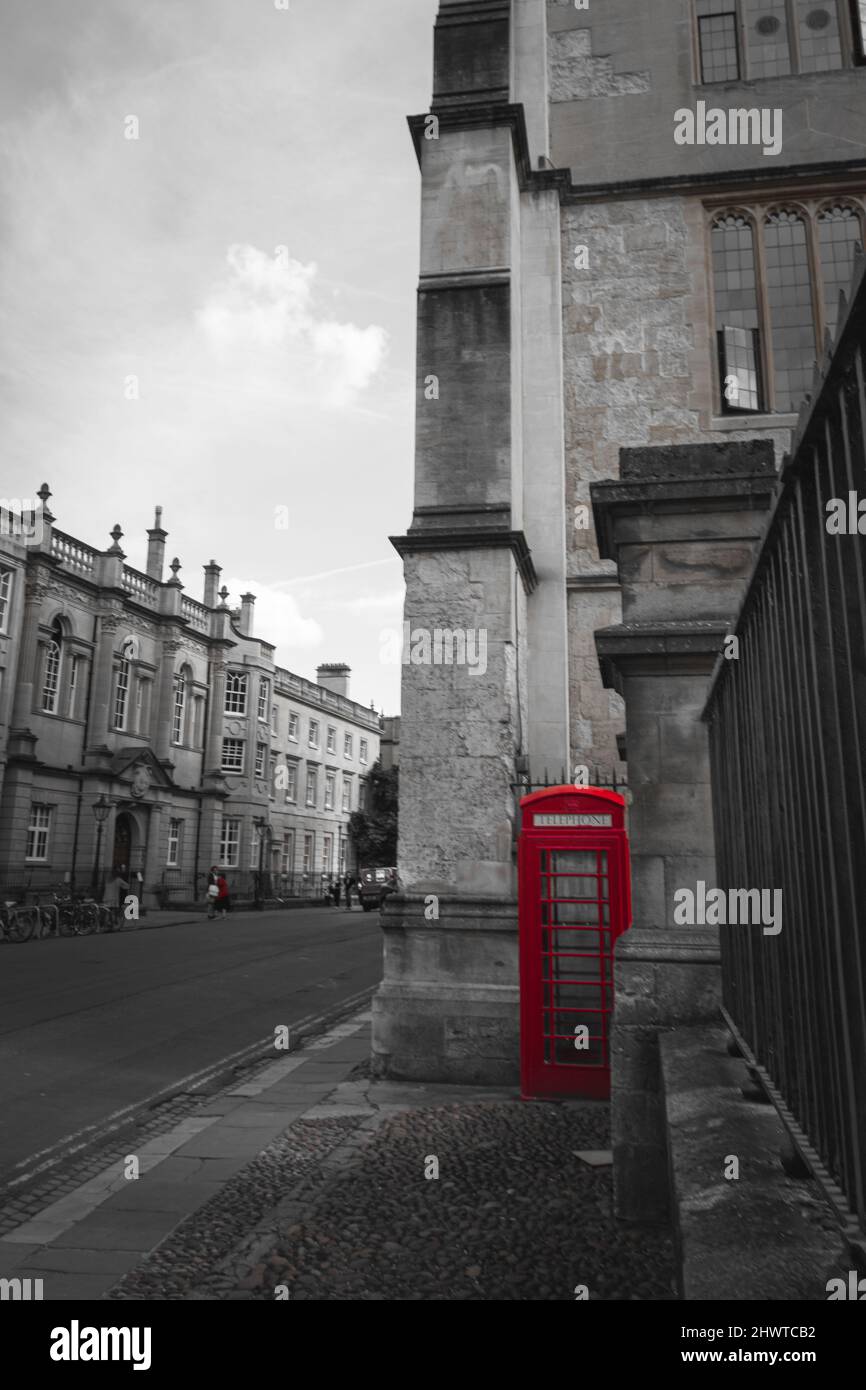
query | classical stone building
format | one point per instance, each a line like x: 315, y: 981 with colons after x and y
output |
x: 117, y: 688
x: 636, y: 221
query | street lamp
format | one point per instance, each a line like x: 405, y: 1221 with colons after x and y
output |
x: 259, y: 822
x: 101, y: 809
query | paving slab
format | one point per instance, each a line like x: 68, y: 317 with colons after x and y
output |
x: 234, y: 1142
x: 72, y: 1261
x: 12, y: 1255
x: 162, y: 1196
x: 132, y: 1230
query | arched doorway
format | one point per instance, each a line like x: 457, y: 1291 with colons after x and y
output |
x: 124, y: 842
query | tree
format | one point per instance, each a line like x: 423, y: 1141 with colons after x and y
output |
x: 373, y: 831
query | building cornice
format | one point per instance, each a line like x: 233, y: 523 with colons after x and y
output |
x: 720, y: 184
x: 477, y: 538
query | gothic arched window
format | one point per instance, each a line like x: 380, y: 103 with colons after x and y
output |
x: 838, y: 232
x: 789, y: 295
x: 737, y: 321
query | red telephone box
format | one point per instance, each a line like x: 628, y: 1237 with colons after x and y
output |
x: 574, y: 901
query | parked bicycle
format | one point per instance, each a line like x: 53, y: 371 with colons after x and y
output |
x: 17, y: 922
x: 65, y: 915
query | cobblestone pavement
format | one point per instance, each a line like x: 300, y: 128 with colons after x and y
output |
x: 340, y: 1209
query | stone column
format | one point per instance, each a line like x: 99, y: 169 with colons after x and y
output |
x: 153, y: 860
x: 35, y: 594
x: 682, y: 525
x: 216, y: 717
x: 448, y: 1004
x: 101, y: 676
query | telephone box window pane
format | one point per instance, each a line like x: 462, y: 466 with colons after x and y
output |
x: 766, y: 27
x: 717, y: 39
x: 818, y: 33
x: 569, y: 861
x: 860, y: 27
x: 790, y: 294
x: 838, y: 231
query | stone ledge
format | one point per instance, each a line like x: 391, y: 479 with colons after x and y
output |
x: 764, y: 1236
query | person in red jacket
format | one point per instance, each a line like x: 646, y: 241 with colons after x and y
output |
x: 223, y: 901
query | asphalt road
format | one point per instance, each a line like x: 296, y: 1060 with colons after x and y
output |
x: 90, y: 1025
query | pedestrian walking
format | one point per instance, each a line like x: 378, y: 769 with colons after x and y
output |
x: 213, y: 891
x: 223, y: 901
x: 347, y: 889
x: 335, y: 892
x: 121, y: 883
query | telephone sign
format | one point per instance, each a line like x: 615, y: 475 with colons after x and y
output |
x: 574, y: 901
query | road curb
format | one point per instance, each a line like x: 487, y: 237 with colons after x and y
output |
x: 335, y: 1014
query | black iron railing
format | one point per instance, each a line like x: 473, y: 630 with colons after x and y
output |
x: 787, y: 723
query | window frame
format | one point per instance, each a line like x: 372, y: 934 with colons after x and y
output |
x: 7, y: 589
x: 234, y: 771
x: 225, y: 858
x: 312, y: 782
x: 294, y: 726
x: 291, y: 782
x: 120, y: 711
x: 175, y: 838
x: 38, y: 833
x: 808, y: 206
x: 264, y: 698
x: 178, y: 709
x: 53, y: 649
x: 852, y: 41
x: 237, y: 690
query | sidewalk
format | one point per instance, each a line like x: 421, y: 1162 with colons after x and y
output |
x: 178, y: 917
x: 311, y: 1181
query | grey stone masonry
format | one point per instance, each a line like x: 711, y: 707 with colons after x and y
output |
x: 682, y: 523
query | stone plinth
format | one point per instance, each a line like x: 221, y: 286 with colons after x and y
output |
x: 448, y: 1005
x: 682, y: 524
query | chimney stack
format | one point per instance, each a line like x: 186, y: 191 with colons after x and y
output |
x: 334, y: 677
x: 246, y: 622
x: 156, y: 547
x: 212, y: 574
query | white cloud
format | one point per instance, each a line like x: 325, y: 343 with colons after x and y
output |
x: 262, y: 317
x: 276, y: 617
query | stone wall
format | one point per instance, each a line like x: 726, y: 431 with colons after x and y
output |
x: 638, y: 370
x: 620, y: 69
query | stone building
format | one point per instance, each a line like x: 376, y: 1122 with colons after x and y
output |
x: 119, y: 690
x: 636, y: 220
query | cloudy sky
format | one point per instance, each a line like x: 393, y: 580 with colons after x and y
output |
x: 218, y: 315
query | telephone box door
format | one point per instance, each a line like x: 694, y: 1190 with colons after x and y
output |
x: 574, y: 902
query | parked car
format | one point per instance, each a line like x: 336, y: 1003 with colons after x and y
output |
x: 374, y: 885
